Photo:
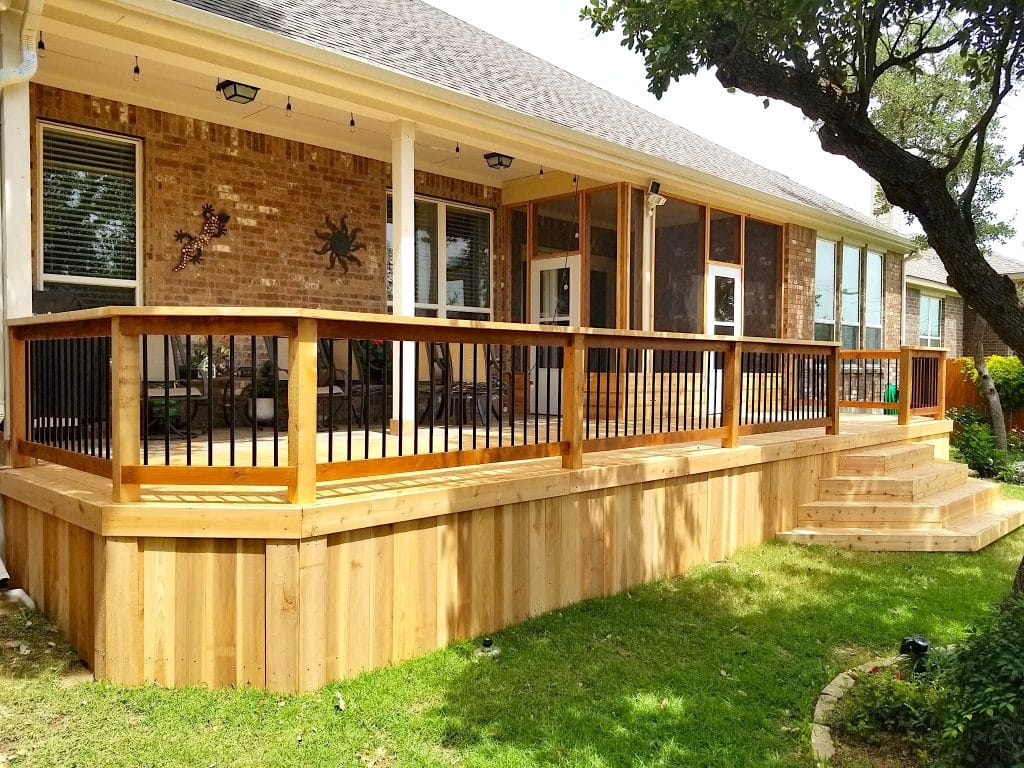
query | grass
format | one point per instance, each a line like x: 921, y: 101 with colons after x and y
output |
x: 717, y: 668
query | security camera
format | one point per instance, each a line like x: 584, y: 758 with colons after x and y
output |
x: 655, y: 188
x: 654, y: 200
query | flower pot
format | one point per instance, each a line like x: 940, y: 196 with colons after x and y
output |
x: 264, y: 409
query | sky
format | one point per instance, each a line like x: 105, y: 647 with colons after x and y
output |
x: 778, y: 137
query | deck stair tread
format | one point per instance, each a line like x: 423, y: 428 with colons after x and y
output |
x: 912, y: 483
x: 899, y: 497
x: 886, y: 458
x: 967, y: 534
x: 932, y: 510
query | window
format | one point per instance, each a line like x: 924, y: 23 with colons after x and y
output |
x: 873, y: 300
x: 459, y: 284
x: 762, y: 255
x: 931, y: 321
x: 856, y: 310
x: 89, y: 220
x: 825, y: 291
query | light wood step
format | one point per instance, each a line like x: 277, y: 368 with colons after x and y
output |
x: 966, y: 534
x: 910, y: 483
x: 973, y: 497
x: 886, y: 458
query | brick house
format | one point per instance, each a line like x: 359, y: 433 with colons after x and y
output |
x: 373, y: 129
x: 936, y: 314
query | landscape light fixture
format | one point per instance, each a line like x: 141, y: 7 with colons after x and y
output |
x: 240, y: 93
x: 498, y: 161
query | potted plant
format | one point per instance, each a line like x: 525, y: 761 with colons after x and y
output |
x: 265, y: 391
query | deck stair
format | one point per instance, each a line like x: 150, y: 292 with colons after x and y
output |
x: 900, y: 498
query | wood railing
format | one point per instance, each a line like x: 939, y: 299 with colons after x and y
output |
x: 907, y: 382
x: 293, y: 398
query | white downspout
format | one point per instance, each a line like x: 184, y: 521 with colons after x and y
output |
x: 21, y: 73
x: 24, y: 71
x: 903, y: 303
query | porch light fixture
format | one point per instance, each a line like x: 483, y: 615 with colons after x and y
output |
x: 41, y: 47
x: 240, y: 93
x: 136, y: 72
x: 498, y: 161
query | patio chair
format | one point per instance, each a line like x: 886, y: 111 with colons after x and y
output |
x: 331, y: 394
x: 459, y: 396
x: 170, y: 401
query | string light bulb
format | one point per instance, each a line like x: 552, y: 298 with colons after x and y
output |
x: 41, y: 47
x: 136, y: 72
x: 458, y: 151
x: 220, y: 93
x: 542, y: 171
x: 288, y: 107
x: 352, y: 122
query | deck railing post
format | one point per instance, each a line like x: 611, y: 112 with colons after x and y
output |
x: 18, y: 405
x: 302, y: 356
x: 940, y: 394
x: 574, y: 373
x: 732, y: 381
x: 125, y: 441
x: 834, y: 367
x: 906, y: 384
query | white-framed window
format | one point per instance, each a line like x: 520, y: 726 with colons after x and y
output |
x: 89, y: 216
x: 930, y: 321
x: 456, y: 281
x: 853, y: 310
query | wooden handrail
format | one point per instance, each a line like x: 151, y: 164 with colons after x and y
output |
x: 304, y: 329
x: 909, y: 383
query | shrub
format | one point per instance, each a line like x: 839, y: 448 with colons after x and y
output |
x: 1008, y: 376
x: 895, y: 701
x: 974, y: 445
x: 962, y: 417
x: 985, y: 689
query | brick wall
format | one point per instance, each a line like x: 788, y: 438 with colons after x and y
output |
x: 892, y: 301
x: 277, y: 192
x: 953, y: 325
x: 798, y: 282
x: 913, y: 316
x: 976, y: 328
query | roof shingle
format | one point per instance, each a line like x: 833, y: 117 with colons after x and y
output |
x: 419, y: 40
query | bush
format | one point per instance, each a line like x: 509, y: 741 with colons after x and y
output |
x: 962, y: 417
x: 1008, y: 376
x: 893, y: 701
x: 974, y: 445
x: 985, y: 693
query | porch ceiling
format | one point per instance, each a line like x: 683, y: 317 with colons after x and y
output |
x: 80, y: 65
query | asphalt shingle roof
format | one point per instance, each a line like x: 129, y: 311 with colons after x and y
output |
x: 419, y: 40
x: 929, y: 267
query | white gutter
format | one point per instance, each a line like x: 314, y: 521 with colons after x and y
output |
x: 24, y: 71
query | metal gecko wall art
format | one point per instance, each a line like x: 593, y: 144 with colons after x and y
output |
x: 214, y: 225
x: 340, y: 242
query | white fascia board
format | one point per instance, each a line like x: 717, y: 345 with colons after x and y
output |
x: 931, y: 286
x: 239, y: 50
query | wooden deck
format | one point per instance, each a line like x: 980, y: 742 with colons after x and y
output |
x: 233, y: 585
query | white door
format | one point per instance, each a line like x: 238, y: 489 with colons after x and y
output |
x: 723, y: 301
x: 723, y: 316
x: 555, y: 300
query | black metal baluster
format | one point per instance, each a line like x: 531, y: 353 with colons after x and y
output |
x: 232, y: 405
x: 276, y: 393
x: 431, y: 373
x: 210, y: 373
x: 488, y: 409
x: 400, y: 422
x: 252, y: 395
x: 188, y: 400
x: 561, y: 416
x: 608, y: 351
x: 536, y: 408
x: 167, y: 364
x: 501, y: 395
x: 551, y: 355
x: 351, y: 408
x: 145, y: 399
x: 512, y: 396
x: 384, y: 408
x: 462, y: 396
x: 332, y: 380
x: 106, y: 390
x: 586, y: 383
x: 526, y: 392
x: 416, y: 426
x: 474, y: 392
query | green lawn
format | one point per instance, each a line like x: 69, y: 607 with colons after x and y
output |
x: 719, y: 668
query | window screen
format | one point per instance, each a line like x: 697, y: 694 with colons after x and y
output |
x: 761, y: 278
x: 679, y: 267
x: 89, y: 216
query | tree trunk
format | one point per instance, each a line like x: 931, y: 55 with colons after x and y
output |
x: 1018, y: 583
x: 987, y: 389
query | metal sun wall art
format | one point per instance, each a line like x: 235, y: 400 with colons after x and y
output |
x: 214, y: 225
x: 340, y: 242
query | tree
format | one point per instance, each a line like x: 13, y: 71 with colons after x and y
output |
x: 831, y: 59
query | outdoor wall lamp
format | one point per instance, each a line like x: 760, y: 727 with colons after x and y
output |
x: 497, y: 160
x: 240, y: 93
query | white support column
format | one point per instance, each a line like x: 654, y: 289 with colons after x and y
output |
x: 16, y: 200
x: 403, y: 201
x: 647, y: 263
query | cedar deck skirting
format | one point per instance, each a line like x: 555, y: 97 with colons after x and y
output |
x: 230, y: 586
